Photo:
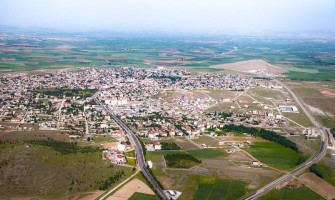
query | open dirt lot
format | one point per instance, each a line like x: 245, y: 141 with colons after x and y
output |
x: 250, y: 66
x: 81, y: 196
x: 318, y: 185
x: 185, y: 144
x: 129, y: 189
x: 64, y: 47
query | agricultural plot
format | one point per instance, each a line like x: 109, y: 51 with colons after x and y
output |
x: 185, y: 144
x: 170, y: 146
x: 319, y: 98
x: 215, y: 163
x: 31, y: 53
x: 141, y: 196
x: 274, y: 155
x: 181, y: 160
x: 327, y: 170
x: 270, y: 93
x: 213, y: 188
x: 302, y: 193
x: 136, y: 188
x: 318, y: 185
x: 306, y: 146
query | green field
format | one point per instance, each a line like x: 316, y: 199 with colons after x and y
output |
x: 142, y: 196
x: 224, y: 189
x: 170, y: 146
x: 36, y: 170
x: 302, y: 193
x: 183, y: 160
x: 305, y: 60
x: 130, y: 154
x: 207, y: 153
x: 327, y: 172
x: 274, y: 155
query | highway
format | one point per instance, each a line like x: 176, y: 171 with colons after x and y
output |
x: 141, y: 164
x: 314, y: 159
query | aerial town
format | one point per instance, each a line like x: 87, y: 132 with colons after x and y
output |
x: 157, y: 105
x: 167, y: 100
x: 63, y: 101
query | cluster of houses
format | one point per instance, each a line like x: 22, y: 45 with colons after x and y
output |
x: 115, y: 154
x: 154, y: 146
x: 133, y: 94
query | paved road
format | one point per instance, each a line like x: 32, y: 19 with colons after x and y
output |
x: 314, y: 159
x: 141, y: 164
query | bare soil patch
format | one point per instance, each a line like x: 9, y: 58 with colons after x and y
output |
x: 319, y: 185
x: 8, y: 59
x: 129, y: 189
x: 251, y: 66
x: 31, y: 63
x: 170, y: 51
x: 170, y: 62
x: 64, y: 47
x: 328, y: 93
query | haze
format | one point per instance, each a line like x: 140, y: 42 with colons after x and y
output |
x: 172, y: 15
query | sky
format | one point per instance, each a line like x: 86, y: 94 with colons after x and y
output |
x: 171, y: 15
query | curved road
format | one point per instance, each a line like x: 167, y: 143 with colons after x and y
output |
x: 314, y: 159
x: 141, y: 164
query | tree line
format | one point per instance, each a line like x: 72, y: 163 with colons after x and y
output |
x: 112, y: 179
x: 65, y: 147
x: 263, y: 133
x: 314, y: 168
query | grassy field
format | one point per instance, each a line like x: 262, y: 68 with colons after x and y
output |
x: 327, y: 172
x: 40, y: 171
x: 142, y: 196
x: 274, y: 155
x: 130, y: 154
x: 299, y: 118
x: 177, y: 160
x: 170, y: 146
x: 131, y: 161
x: 302, y: 193
x: 211, y: 188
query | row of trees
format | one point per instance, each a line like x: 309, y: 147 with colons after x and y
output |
x: 67, y: 92
x: 65, y: 147
x: 265, y: 134
x: 111, y: 180
x: 172, y: 78
x: 314, y: 168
